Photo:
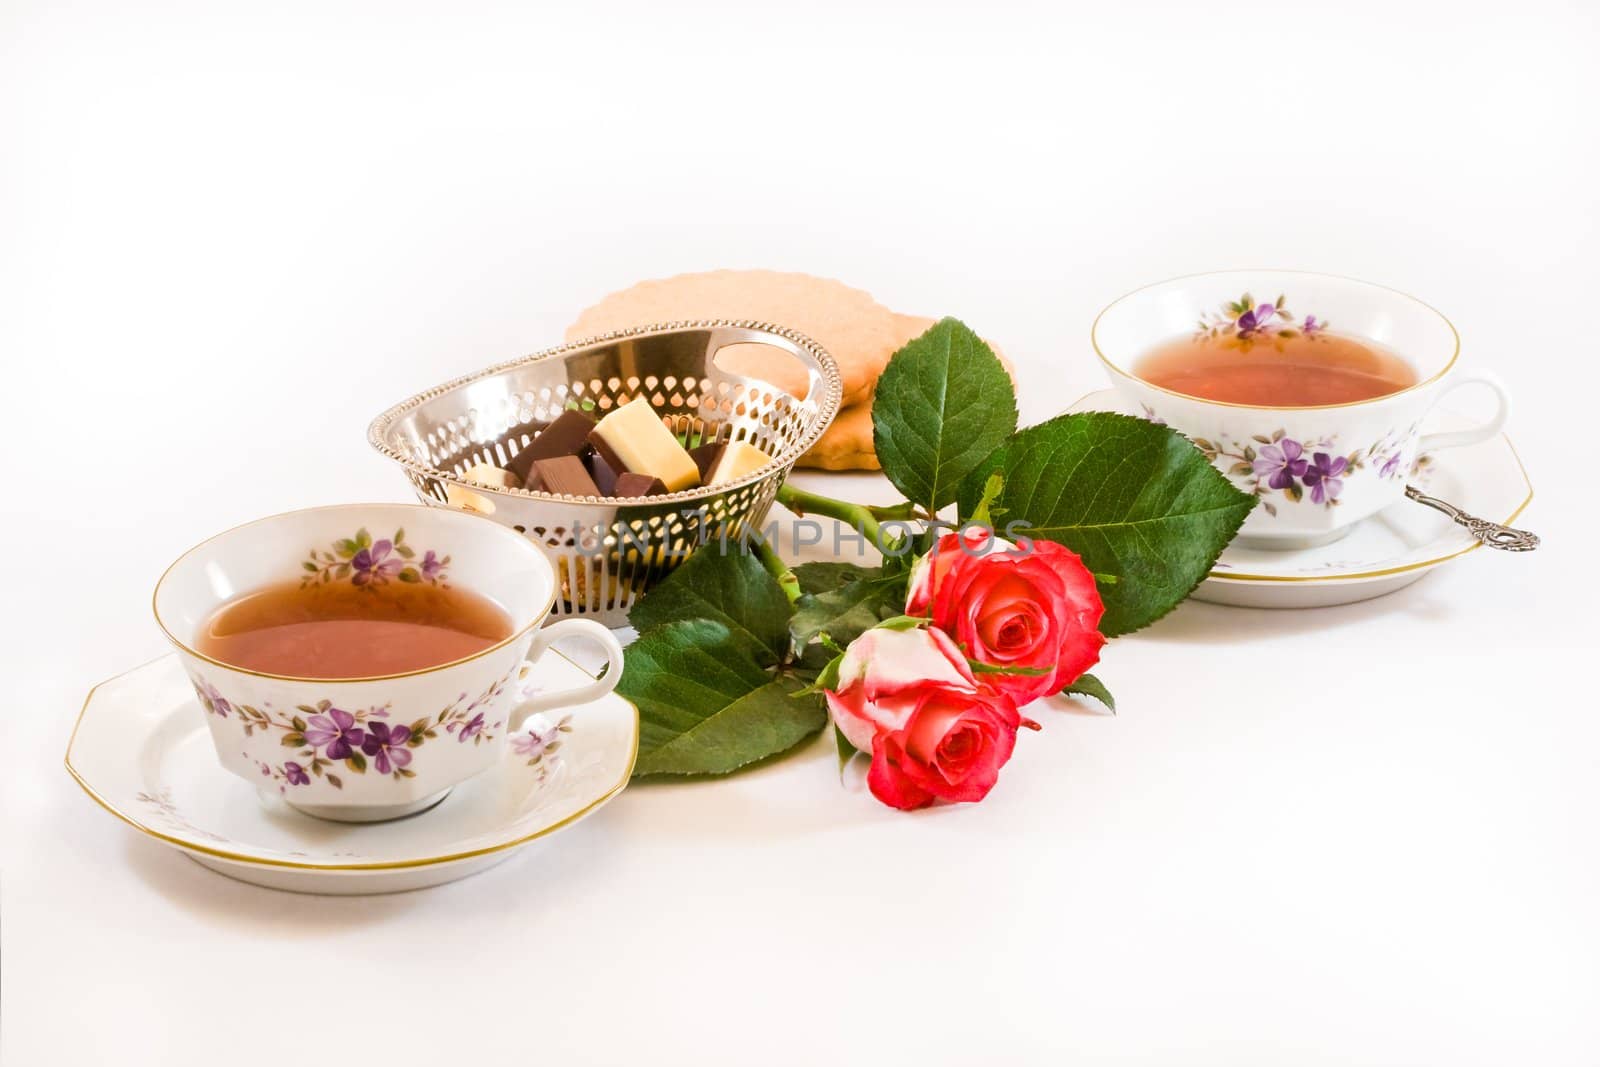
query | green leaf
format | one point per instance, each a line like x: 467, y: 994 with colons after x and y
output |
x: 733, y: 589
x: 826, y: 678
x: 822, y: 577
x: 405, y: 551
x: 356, y: 762
x: 943, y: 404
x: 983, y: 513
x: 409, y: 575
x: 1088, y: 685
x: 298, y: 723
x: 293, y: 740
x: 706, y: 704
x: 995, y: 668
x: 844, y: 613
x: 347, y: 548
x: 312, y: 567
x: 363, y: 538
x: 334, y: 780
x: 1132, y: 498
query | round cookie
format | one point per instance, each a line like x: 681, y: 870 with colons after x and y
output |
x: 857, y: 331
x: 846, y: 445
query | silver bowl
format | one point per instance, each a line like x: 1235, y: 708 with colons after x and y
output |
x: 607, y: 552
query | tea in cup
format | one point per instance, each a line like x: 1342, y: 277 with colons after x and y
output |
x: 365, y: 659
x: 1305, y: 390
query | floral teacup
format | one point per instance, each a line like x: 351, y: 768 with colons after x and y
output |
x: 1317, y: 470
x: 366, y: 749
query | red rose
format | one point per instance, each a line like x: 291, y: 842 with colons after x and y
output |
x: 1009, y: 607
x: 909, y: 698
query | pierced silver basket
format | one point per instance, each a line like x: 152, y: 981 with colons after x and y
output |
x: 607, y: 552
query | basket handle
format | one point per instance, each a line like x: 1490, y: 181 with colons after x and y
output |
x: 721, y: 337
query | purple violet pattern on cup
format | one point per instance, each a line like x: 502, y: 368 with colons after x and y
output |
x: 1322, y: 477
x: 387, y: 746
x: 1270, y: 465
x: 367, y: 563
x: 335, y: 733
x: 1245, y: 321
x: 541, y: 741
x: 1279, y: 463
x: 328, y: 742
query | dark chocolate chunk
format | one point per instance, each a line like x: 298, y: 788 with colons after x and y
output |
x: 631, y: 484
x: 606, y: 454
x: 565, y: 475
x: 603, y: 473
x: 567, y: 436
x: 705, y: 457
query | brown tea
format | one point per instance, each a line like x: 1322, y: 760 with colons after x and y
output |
x: 343, y: 630
x: 1303, y: 370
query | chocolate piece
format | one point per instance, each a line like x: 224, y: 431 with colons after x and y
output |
x: 738, y: 459
x: 705, y: 457
x: 567, y: 436
x: 604, y: 475
x: 631, y: 484
x: 465, y: 499
x: 633, y: 439
x: 565, y: 476
x: 492, y: 476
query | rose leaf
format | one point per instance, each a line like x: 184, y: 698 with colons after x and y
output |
x: 706, y: 704
x: 823, y: 577
x: 1134, y: 499
x: 844, y: 613
x: 730, y: 587
x: 943, y: 404
x: 1088, y: 685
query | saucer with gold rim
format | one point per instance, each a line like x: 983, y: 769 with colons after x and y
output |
x: 141, y: 749
x: 1383, y: 553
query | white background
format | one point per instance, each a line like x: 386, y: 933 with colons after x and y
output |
x: 1355, y: 835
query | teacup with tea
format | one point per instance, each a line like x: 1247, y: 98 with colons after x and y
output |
x: 365, y: 659
x: 1306, y: 390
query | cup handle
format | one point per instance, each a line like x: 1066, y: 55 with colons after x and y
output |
x: 1432, y: 442
x: 578, y: 694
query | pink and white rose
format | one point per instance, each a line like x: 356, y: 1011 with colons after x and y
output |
x: 908, y: 697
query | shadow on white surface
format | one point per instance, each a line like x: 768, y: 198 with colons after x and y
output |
x: 576, y: 860
x: 1195, y: 621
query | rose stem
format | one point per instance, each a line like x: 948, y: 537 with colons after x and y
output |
x: 857, y: 515
x: 778, y: 569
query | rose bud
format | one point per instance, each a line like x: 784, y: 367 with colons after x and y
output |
x: 909, y: 698
x: 1006, y: 607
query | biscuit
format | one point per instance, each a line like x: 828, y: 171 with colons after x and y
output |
x: 857, y: 331
x: 846, y: 445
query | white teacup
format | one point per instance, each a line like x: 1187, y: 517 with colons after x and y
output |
x: 366, y: 749
x: 1317, y: 470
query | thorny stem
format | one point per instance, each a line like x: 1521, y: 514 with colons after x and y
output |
x: 857, y: 515
x: 778, y: 569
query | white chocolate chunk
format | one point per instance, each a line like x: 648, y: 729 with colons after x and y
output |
x: 479, y: 474
x: 738, y: 459
x: 494, y: 477
x: 467, y: 500
x: 644, y: 445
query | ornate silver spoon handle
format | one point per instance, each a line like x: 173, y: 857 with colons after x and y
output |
x: 1490, y: 533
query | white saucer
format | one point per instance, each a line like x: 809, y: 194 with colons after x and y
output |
x: 1390, y: 550
x: 141, y: 750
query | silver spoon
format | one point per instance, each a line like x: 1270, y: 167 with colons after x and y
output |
x: 1490, y: 533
